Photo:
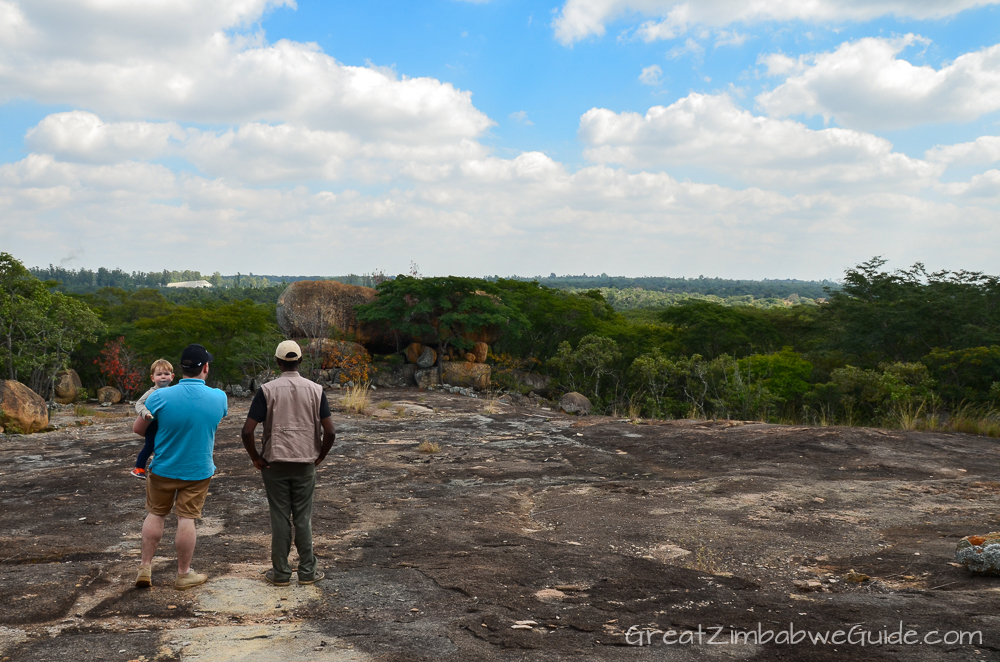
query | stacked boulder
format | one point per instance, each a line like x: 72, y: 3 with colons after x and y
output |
x: 459, y: 368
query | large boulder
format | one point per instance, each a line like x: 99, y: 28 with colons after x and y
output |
x: 540, y: 384
x: 323, y: 308
x: 68, y: 387
x: 395, y: 375
x: 575, y: 403
x: 413, y: 352
x: 334, y: 353
x: 109, y: 395
x: 21, y: 409
x: 980, y: 554
x: 466, y: 373
x: 427, y: 358
x: 426, y: 378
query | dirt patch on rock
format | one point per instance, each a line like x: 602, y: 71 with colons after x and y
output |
x: 528, y: 534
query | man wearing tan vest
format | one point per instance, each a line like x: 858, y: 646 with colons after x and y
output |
x: 298, y: 433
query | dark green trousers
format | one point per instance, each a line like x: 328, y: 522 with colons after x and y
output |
x: 289, y: 487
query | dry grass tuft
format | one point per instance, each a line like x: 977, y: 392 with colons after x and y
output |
x: 491, y: 403
x: 428, y: 447
x: 358, y: 398
x: 83, y: 410
x: 385, y: 404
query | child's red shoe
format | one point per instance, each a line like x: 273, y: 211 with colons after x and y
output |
x: 139, y: 473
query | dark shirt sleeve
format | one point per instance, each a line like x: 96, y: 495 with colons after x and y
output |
x: 258, y: 408
x: 324, y: 407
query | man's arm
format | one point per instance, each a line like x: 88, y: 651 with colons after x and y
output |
x: 329, y: 436
x: 248, y: 443
x: 257, y: 414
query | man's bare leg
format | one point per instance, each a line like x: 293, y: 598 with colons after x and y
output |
x: 152, y: 531
x: 185, y: 540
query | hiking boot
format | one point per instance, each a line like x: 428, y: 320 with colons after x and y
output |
x: 315, y: 578
x: 139, y: 473
x: 145, y: 577
x: 269, y: 578
x: 190, y: 580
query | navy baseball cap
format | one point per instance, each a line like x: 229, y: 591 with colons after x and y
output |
x: 194, y: 356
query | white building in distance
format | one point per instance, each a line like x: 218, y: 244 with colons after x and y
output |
x: 191, y: 283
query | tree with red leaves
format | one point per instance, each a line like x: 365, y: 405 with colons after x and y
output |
x: 120, y: 366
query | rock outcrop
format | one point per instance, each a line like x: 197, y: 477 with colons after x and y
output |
x: 333, y: 353
x: 540, y: 384
x: 21, y: 409
x: 575, y: 403
x: 466, y: 373
x: 324, y: 308
x: 395, y: 375
x: 109, y: 395
x: 68, y: 386
x: 426, y: 378
x: 980, y: 554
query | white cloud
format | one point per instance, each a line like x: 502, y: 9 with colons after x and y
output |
x: 730, y: 38
x: 984, y: 150
x: 82, y: 136
x: 544, y: 216
x: 651, y: 75
x: 176, y: 61
x: 690, y: 46
x: 864, y: 84
x: 579, y: 19
x: 711, y: 131
x: 521, y: 117
x: 982, y: 188
x: 255, y: 152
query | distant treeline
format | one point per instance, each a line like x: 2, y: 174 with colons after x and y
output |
x: 86, y: 281
x: 720, y: 287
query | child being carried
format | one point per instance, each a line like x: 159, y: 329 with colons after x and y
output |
x: 162, y: 373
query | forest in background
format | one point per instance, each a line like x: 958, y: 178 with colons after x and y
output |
x: 901, y: 348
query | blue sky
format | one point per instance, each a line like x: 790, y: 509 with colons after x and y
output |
x: 633, y: 137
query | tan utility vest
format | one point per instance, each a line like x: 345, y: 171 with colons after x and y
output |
x: 292, y: 429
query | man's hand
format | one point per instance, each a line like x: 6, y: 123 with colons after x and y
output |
x: 248, y: 443
x: 148, y: 416
x: 329, y: 436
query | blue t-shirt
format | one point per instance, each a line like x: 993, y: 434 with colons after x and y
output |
x: 186, y: 415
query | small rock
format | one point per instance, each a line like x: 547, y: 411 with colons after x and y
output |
x: 980, y: 554
x: 808, y: 585
x: 481, y: 350
x: 856, y: 577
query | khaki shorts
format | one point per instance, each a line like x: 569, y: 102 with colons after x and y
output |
x: 161, y: 494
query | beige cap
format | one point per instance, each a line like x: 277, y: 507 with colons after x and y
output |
x: 288, y: 350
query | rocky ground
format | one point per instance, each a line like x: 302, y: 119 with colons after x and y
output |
x: 528, y: 535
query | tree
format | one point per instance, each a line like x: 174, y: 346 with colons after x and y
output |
x: 443, y: 311
x: 711, y: 329
x: 39, y: 329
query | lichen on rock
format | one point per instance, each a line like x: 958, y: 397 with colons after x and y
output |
x: 980, y: 554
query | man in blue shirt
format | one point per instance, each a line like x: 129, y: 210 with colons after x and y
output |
x: 187, y: 416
